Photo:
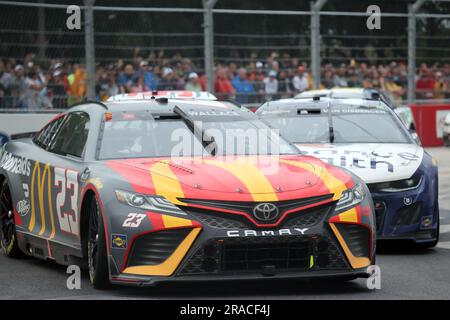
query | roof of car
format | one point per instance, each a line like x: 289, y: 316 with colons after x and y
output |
x: 170, y: 94
x: 278, y: 106
x: 361, y: 93
x: 197, y: 108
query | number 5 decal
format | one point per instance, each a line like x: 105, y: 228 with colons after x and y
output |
x: 66, y: 182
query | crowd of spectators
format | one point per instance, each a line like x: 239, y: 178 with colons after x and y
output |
x: 27, y: 84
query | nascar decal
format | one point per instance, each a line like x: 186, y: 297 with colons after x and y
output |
x: 266, y: 233
x: 15, y: 164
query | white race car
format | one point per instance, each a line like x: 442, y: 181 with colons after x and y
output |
x: 368, y: 138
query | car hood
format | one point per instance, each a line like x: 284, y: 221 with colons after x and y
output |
x: 256, y: 178
x: 372, y: 162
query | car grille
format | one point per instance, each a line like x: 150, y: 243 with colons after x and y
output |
x: 154, y: 248
x: 357, y: 238
x: 246, y: 254
x: 408, y: 215
x: 221, y: 220
x: 247, y: 207
x: 380, y: 211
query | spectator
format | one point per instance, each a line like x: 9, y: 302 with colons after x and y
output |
x: 425, y: 85
x: 169, y: 80
x: 340, y: 79
x: 222, y: 86
x: 126, y: 79
x: 440, y: 86
x: 193, y: 83
x: 150, y: 80
x: 271, y: 85
x: 300, y: 81
x: 244, y: 89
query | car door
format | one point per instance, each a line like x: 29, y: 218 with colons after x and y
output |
x: 54, y: 180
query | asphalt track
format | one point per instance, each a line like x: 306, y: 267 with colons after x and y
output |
x: 405, y: 274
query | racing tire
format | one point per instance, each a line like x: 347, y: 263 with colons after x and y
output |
x: 8, y: 236
x: 96, y: 251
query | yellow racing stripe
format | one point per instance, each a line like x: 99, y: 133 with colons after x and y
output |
x: 175, y: 222
x: 349, y: 216
x: 166, y: 182
x: 251, y: 177
x: 333, y: 184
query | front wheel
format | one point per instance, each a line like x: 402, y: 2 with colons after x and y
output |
x: 8, y: 237
x: 447, y: 140
x: 96, y: 253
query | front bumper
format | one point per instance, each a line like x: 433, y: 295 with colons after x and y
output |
x: 307, y: 245
x: 408, y: 215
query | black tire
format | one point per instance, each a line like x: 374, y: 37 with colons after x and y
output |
x: 96, y: 249
x: 8, y: 236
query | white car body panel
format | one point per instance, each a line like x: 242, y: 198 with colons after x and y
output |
x: 372, y: 162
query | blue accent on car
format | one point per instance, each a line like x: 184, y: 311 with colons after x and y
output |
x: 407, y: 214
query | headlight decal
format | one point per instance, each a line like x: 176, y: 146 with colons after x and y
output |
x: 149, y: 203
x: 351, y: 197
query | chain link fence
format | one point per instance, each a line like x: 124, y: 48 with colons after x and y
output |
x: 258, y: 55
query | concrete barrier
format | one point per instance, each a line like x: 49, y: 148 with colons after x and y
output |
x: 13, y: 123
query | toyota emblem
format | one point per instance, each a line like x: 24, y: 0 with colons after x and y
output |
x: 266, y: 212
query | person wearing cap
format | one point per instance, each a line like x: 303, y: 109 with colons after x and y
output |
x: 193, y: 83
x: 169, y: 80
x: 271, y: 85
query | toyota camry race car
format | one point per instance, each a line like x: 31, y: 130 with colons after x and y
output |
x: 367, y: 138
x: 148, y: 191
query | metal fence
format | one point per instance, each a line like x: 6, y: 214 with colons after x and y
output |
x: 71, y: 65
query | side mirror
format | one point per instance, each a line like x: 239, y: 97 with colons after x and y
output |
x: 415, y: 136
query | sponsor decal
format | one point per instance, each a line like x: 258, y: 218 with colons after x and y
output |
x: 213, y: 113
x: 360, y: 159
x: 407, y: 201
x: 119, y: 241
x: 23, y: 207
x: 266, y: 212
x: 15, y: 164
x: 133, y: 220
x: 267, y: 233
x: 26, y: 190
x: 427, y: 222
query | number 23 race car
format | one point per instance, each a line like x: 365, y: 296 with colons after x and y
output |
x: 111, y: 188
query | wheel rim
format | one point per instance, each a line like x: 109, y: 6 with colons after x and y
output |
x: 93, y: 240
x: 6, y: 216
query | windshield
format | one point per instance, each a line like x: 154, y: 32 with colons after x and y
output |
x: 146, y: 135
x: 351, y: 125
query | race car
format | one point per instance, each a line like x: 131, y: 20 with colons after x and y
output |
x: 141, y: 192
x: 367, y: 138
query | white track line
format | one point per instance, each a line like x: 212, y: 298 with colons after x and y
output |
x: 445, y: 228
x: 444, y: 245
